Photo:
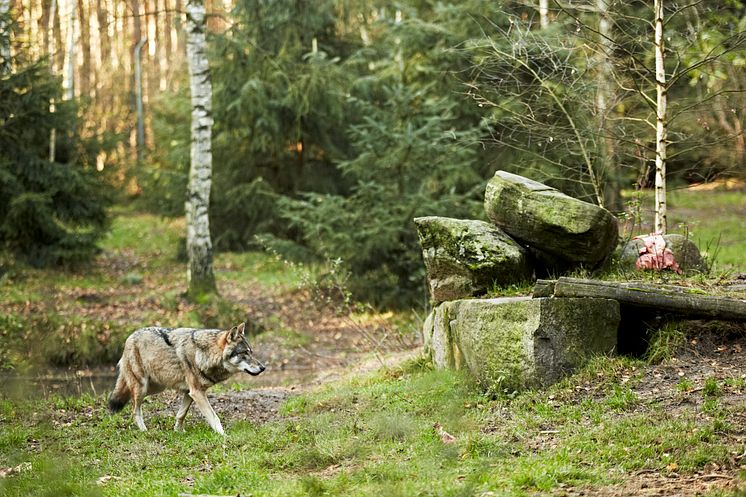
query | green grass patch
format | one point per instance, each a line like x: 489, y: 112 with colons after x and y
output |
x: 375, y: 435
x: 666, y: 341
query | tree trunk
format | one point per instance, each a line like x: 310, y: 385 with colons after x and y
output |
x: 605, y: 94
x: 138, y: 101
x: 85, y: 45
x: 544, y: 14
x: 200, y: 275
x: 68, y: 76
x: 4, y: 37
x: 665, y: 299
x: 661, y: 127
x: 50, y: 51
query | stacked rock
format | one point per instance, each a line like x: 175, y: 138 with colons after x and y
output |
x: 534, y: 230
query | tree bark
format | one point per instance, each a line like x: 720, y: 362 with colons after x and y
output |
x: 669, y: 299
x: 604, y: 96
x: 200, y: 275
x: 544, y: 14
x: 4, y: 37
x: 138, y: 101
x: 85, y: 45
x: 68, y: 77
x: 661, y: 128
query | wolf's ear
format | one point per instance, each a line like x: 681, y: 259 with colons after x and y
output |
x: 237, y: 332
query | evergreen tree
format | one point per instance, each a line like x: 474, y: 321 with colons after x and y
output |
x: 414, y: 152
x: 50, y: 212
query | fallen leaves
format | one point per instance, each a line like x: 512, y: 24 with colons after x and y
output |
x: 23, y: 467
x: 445, y: 437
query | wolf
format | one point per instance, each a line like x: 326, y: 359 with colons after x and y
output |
x: 184, y: 359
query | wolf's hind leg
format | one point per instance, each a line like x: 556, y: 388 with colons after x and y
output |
x: 205, y: 408
x: 186, y: 402
x: 138, y: 394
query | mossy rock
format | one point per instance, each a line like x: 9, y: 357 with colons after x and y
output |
x: 548, y: 220
x: 519, y: 342
x: 465, y: 257
x: 685, y: 253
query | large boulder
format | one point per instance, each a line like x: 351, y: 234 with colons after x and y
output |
x: 464, y: 257
x: 658, y: 252
x: 520, y: 342
x: 549, y: 220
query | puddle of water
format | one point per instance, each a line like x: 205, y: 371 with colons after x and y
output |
x: 71, y: 383
x: 57, y: 383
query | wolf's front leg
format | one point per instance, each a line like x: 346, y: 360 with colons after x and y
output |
x: 200, y: 398
x: 186, y: 402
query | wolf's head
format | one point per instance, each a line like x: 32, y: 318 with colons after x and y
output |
x: 237, y: 354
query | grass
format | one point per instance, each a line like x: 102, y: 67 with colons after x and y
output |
x: 371, y: 435
x: 368, y: 435
x: 82, y: 318
x: 715, y: 221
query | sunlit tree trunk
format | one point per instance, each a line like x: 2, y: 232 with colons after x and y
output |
x: 200, y: 275
x: 85, y: 45
x: 604, y: 96
x: 4, y: 37
x: 661, y: 128
x: 50, y: 52
x: 544, y: 13
x: 68, y: 76
x: 138, y: 101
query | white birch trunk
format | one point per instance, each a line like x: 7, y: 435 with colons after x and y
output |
x: 51, y: 49
x: 5, y: 37
x: 200, y: 275
x: 661, y: 127
x: 544, y: 13
x: 68, y: 77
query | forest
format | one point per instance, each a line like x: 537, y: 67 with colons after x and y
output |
x: 201, y: 163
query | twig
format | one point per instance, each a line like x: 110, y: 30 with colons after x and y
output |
x: 207, y: 495
x: 716, y: 476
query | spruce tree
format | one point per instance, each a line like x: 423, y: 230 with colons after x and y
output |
x: 51, y: 213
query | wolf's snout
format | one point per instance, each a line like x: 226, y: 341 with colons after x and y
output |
x: 255, y: 369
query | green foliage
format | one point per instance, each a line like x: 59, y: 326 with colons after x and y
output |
x: 410, y: 162
x: 51, y: 213
x: 279, y: 114
x: 337, y: 121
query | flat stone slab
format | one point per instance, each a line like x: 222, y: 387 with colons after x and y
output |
x: 466, y: 257
x: 548, y: 220
x: 520, y: 342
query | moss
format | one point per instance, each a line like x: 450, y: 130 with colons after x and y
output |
x: 492, y: 340
x: 467, y: 257
x: 550, y: 220
x: 513, y: 343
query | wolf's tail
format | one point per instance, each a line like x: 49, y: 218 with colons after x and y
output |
x: 120, y: 395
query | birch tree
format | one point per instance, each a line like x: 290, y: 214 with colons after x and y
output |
x: 661, y: 128
x: 200, y: 275
x: 4, y: 36
x: 68, y: 76
x: 544, y: 13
